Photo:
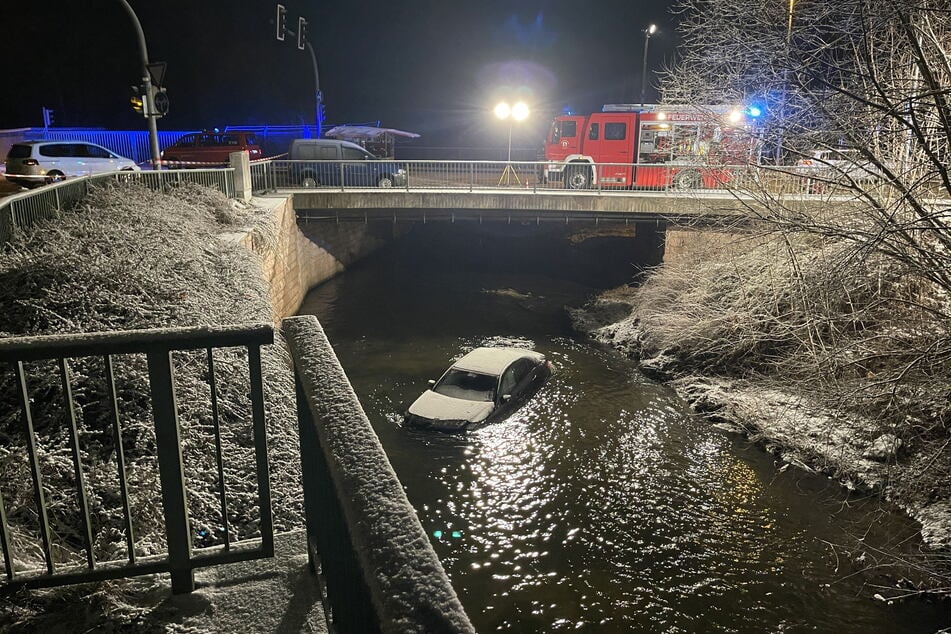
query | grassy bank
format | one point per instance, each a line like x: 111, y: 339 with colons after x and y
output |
x: 130, y: 258
x: 836, y: 360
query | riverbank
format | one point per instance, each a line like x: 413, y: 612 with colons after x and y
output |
x: 820, y: 419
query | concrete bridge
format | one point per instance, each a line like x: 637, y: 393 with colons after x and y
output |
x: 504, y: 205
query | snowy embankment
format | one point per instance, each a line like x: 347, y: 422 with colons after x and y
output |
x: 787, y: 418
x: 130, y: 258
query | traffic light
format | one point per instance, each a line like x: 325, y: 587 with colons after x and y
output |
x: 301, y: 33
x: 281, y: 22
x: 47, y: 117
x: 149, y: 100
x: 137, y: 99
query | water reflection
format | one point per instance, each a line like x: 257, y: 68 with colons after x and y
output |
x: 600, y: 505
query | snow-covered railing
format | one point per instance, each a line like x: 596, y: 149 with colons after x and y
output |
x: 31, y: 556
x: 376, y: 563
x: 21, y: 211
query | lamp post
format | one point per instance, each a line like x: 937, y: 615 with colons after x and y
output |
x: 647, y: 39
x: 518, y: 112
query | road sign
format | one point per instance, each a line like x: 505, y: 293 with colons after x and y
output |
x: 160, y: 99
x: 157, y: 73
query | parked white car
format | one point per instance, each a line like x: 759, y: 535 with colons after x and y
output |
x: 33, y: 163
x: 838, y: 166
x: 484, y: 386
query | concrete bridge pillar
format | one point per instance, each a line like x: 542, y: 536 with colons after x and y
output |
x: 241, y: 162
x: 650, y: 241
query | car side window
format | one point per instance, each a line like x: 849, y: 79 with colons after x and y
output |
x: 56, y: 150
x: 327, y: 153
x: 353, y: 154
x: 509, y: 380
x: 522, y: 369
x: 94, y: 151
x: 594, y: 132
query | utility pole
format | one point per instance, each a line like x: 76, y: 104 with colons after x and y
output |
x: 147, y: 92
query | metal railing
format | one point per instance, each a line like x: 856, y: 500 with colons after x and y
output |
x: 157, y: 346
x: 679, y: 177
x: 21, y: 211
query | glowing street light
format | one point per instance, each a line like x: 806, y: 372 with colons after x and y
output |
x: 647, y: 39
x: 517, y: 112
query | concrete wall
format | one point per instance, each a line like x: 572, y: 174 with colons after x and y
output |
x: 295, y: 261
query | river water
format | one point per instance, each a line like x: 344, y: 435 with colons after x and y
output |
x: 601, y: 505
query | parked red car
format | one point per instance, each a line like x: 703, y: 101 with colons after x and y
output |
x: 209, y: 149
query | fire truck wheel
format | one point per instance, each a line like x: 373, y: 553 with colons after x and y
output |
x: 578, y: 178
x: 687, y: 179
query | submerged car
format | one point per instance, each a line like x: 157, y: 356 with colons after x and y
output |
x: 484, y: 386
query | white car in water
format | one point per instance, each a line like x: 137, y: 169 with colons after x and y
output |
x: 484, y: 386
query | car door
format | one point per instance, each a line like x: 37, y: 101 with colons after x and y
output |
x: 616, y: 146
x: 357, y: 168
x: 75, y: 159
x: 98, y: 159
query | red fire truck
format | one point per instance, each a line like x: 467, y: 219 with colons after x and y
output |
x: 651, y: 146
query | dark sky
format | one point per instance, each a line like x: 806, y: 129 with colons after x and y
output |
x: 432, y: 66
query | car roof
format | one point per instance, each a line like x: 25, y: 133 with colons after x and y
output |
x: 334, y: 142
x: 493, y: 360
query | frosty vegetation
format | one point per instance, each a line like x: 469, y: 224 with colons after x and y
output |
x: 848, y: 308
x: 129, y: 258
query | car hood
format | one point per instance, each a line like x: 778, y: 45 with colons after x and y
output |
x: 433, y: 406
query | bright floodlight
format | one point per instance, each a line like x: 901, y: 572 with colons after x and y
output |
x: 652, y: 29
x: 520, y: 111
x: 735, y: 116
x: 503, y: 110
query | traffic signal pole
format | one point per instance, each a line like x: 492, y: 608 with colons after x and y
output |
x: 147, y: 96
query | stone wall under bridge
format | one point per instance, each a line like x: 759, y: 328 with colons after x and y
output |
x: 299, y: 255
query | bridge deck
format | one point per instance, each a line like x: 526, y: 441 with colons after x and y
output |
x: 501, y: 204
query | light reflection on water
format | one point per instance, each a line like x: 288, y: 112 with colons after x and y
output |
x: 600, y: 505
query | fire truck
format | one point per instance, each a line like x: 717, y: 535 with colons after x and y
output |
x: 651, y: 146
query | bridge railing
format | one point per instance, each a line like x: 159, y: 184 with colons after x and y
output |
x: 533, y: 176
x: 21, y: 211
x: 364, y: 539
x: 86, y: 368
x: 371, y: 555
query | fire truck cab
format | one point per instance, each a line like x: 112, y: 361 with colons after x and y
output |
x: 683, y: 147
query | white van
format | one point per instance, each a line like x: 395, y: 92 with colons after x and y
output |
x: 33, y: 163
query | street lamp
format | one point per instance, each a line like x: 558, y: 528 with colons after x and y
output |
x: 517, y: 112
x: 647, y: 39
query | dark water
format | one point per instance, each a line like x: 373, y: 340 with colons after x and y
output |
x: 600, y: 506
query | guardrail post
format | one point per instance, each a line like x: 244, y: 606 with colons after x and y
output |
x: 241, y: 163
x: 169, y: 449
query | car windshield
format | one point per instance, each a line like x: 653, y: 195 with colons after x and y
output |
x: 470, y: 386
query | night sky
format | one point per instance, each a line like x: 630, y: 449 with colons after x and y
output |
x: 436, y: 67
